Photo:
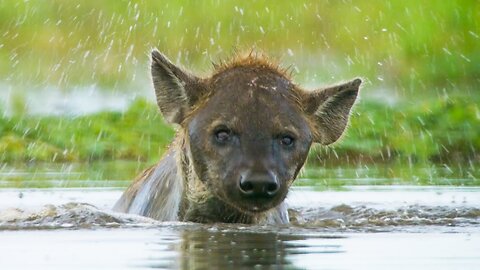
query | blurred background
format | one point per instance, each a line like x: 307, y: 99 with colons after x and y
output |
x: 76, y: 97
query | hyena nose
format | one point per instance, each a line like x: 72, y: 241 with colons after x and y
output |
x: 259, y: 186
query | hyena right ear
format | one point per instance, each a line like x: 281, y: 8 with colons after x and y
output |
x: 176, y: 90
x: 330, y: 110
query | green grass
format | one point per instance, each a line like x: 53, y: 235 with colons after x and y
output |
x: 137, y: 134
x: 444, y: 130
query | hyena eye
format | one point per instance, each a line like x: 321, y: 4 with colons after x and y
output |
x: 222, y: 135
x: 287, y: 140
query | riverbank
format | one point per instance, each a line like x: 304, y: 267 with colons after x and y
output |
x: 442, y: 130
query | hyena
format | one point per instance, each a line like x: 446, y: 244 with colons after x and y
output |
x: 243, y: 135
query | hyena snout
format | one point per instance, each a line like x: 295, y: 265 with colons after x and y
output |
x: 258, y: 185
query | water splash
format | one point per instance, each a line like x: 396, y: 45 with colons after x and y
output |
x: 339, y: 218
x: 364, y: 218
x: 70, y: 215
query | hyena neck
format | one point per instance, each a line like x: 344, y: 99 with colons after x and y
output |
x: 199, y: 204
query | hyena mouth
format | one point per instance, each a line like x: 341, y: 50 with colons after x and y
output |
x: 257, y: 205
x: 248, y: 206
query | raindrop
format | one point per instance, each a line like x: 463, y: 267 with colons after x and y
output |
x: 197, y: 32
x: 219, y: 25
x: 261, y: 30
x: 473, y: 34
x: 239, y: 10
x: 129, y: 53
x: 401, y: 27
x: 465, y: 58
x: 421, y: 121
x: 155, y: 28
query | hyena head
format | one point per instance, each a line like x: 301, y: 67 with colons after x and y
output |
x: 248, y: 128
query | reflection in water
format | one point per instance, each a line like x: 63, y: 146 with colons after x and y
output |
x: 207, y: 249
x: 194, y: 246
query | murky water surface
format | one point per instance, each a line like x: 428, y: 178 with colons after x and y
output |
x: 70, y: 225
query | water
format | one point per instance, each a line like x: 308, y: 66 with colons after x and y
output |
x: 174, y: 248
x: 53, y: 101
x: 353, y: 226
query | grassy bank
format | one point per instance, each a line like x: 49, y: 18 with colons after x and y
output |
x: 442, y: 130
x: 139, y: 133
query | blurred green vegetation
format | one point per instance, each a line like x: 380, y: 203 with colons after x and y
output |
x: 403, y: 45
x: 443, y: 130
x: 137, y: 134
x: 426, y: 55
x: 438, y: 131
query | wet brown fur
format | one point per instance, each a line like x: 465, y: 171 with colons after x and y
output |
x: 197, y: 202
x: 251, y: 59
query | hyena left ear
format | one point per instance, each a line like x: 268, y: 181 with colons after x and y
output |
x: 330, y: 110
x: 176, y: 90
